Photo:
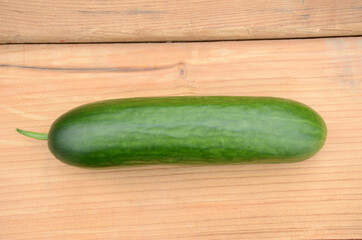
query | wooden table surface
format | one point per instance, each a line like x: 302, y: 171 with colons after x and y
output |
x: 62, y: 21
x: 42, y: 198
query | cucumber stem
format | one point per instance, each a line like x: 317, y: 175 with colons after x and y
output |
x: 39, y: 136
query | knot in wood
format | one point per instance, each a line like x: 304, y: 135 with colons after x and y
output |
x: 181, y: 70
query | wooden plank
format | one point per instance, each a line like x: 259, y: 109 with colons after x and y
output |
x: 46, y: 21
x: 320, y: 198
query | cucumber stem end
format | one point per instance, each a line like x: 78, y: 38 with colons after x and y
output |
x: 39, y: 136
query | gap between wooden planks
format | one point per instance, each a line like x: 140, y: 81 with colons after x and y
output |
x: 46, y: 21
x: 320, y: 198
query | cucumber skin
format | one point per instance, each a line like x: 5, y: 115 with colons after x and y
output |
x: 187, y: 130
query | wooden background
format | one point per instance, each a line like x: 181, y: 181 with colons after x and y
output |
x: 41, y: 198
x: 174, y: 20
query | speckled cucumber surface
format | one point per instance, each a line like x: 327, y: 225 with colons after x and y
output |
x: 186, y: 130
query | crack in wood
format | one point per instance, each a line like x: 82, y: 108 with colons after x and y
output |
x: 92, y: 69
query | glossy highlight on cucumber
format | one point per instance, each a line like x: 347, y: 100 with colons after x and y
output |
x: 185, y: 130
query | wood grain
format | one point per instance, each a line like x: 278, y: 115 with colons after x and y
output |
x: 320, y: 198
x: 46, y: 21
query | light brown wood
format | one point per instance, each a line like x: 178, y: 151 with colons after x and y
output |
x: 45, y: 21
x: 42, y: 198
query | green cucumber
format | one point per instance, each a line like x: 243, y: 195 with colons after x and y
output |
x: 186, y: 130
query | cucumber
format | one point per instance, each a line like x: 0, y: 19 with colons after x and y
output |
x: 185, y: 130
